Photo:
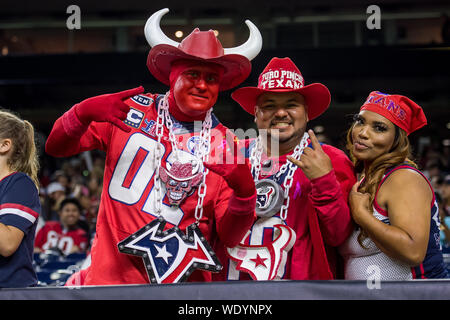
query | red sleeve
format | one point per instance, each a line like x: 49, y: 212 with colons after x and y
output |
x: 234, y: 216
x: 329, y: 196
x: 63, y: 143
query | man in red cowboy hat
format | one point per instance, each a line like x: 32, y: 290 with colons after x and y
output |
x: 303, y: 214
x: 145, y: 134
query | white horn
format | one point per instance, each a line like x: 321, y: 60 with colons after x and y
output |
x: 153, y: 32
x: 251, y: 47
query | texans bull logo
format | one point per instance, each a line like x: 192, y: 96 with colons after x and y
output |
x: 269, y: 198
x: 264, y: 196
x: 265, y: 262
x: 170, y: 256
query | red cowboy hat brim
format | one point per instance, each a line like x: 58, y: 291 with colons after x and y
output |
x: 161, y: 57
x: 317, y: 98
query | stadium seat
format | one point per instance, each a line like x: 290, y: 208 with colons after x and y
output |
x: 57, y: 265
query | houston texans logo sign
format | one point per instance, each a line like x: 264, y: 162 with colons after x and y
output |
x: 264, y: 196
x: 265, y: 262
x: 170, y: 256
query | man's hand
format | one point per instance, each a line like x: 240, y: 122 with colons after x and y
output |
x: 107, y: 108
x: 237, y: 173
x: 314, y: 162
x: 237, y: 176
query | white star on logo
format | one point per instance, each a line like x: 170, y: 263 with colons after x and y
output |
x: 162, y: 253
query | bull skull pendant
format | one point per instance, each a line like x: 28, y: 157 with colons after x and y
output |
x: 180, y: 182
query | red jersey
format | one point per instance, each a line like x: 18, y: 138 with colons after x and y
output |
x: 319, y: 215
x: 53, y: 235
x: 128, y: 197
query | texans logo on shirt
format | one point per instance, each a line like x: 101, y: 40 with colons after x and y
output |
x: 265, y: 262
x: 170, y: 256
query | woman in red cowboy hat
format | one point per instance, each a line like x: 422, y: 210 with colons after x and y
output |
x: 302, y: 214
x: 393, y: 205
x: 142, y: 135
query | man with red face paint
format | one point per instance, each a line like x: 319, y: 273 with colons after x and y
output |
x: 160, y: 187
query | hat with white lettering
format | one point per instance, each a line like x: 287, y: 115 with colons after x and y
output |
x: 282, y: 75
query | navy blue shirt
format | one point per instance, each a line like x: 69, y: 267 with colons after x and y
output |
x: 19, y: 207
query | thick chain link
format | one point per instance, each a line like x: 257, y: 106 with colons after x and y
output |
x: 201, y: 152
x: 290, y: 175
x: 255, y: 160
x: 158, y: 152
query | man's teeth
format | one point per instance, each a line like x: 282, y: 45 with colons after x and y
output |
x: 281, y: 124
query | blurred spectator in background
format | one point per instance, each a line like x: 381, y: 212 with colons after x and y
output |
x: 445, y: 155
x: 95, y: 185
x: 321, y: 135
x: 56, y: 193
x: 445, y: 224
x: 79, y: 177
x: 65, y: 234
x: 436, y: 183
x: 432, y: 170
x: 63, y: 179
x: 444, y: 191
x: 435, y: 158
x: 89, y: 195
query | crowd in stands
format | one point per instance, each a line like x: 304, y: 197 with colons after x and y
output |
x: 70, y: 197
x: 435, y: 162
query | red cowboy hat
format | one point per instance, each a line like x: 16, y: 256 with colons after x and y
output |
x: 202, y: 46
x: 282, y: 75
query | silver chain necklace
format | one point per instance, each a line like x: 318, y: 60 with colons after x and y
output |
x: 270, y: 192
x: 201, y: 152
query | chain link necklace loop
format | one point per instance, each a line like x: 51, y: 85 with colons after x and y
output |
x: 201, y: 152
x: 255, y: 160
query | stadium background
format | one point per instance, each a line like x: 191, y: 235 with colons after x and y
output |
x: 45, y: 68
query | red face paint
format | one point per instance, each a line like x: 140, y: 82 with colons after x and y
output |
x: 195, y: 88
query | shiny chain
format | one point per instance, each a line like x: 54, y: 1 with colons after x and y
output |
x: 201, y: 152
x: 255, y: 160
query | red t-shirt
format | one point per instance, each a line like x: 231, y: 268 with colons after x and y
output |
x: 52, y: 235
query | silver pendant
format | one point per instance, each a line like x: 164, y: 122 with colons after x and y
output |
x: 269, y: 198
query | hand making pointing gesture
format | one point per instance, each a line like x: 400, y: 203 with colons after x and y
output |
x: 107, y: 108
